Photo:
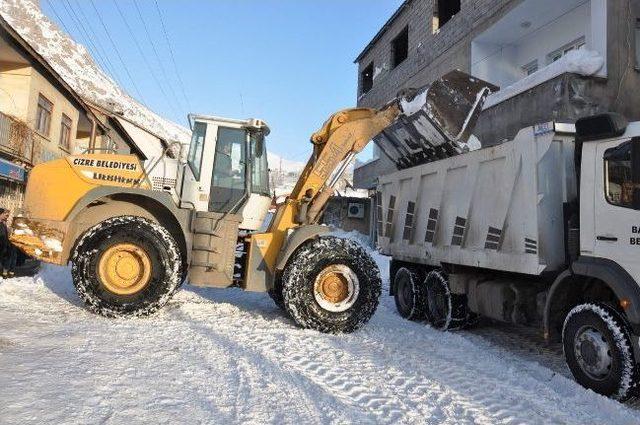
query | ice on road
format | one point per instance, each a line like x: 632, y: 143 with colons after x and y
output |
x: 224, y: 356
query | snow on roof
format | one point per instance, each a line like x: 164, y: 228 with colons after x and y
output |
x: 583, y: 62
x: 78, y: 69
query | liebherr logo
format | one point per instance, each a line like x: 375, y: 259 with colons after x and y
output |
x: 115, y: 179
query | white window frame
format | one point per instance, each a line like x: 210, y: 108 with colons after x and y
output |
x: 557, y: 54
x: 530, y: 68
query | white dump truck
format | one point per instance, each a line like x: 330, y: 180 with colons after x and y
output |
x: 542, y: 230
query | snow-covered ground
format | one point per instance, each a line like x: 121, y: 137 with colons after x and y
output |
x: 223, y: 356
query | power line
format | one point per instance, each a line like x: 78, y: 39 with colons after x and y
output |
x: 58, y: 16
x: 98, y: 44
x: 173, y: 59
x: 144, y: 58
x: 115, y: 48
x: 155, y: 52
x: 77, y: 23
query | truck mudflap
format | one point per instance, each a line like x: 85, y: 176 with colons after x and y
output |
x: 40, y: 239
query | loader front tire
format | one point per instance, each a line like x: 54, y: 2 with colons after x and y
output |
x: 126, y: 266
x: 331, y: 285
x: 275, y: 293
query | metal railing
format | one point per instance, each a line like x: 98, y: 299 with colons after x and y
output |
x: 17, y: 139
x: 25, y: 144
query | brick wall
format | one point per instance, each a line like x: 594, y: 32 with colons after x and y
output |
x: 430, y: 55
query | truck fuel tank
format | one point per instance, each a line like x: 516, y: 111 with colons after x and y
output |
x: 436, y: 120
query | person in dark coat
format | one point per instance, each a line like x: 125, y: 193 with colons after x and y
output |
x: 8, y: 252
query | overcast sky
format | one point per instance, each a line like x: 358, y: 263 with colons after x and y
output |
x: 289, y: 62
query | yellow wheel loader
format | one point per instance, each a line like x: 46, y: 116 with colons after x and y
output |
x: 132, y: 243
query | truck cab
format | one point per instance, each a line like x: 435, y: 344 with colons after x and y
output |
x: 542, y: 230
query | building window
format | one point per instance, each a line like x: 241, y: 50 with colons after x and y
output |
x: 574, y: 45
x: 443, y: 11
x: 530, y: 68
x: 43, y: 115
x: 366, y: 79
x: 65, y: 133
x: 400, y: 47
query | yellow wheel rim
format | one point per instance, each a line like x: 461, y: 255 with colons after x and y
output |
x: 336, y: 288
x: 333, y: 286
x: 124, y: 269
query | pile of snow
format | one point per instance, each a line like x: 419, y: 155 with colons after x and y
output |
x: 78, y: 69
x: 226, y: 356
x: 583, y: 62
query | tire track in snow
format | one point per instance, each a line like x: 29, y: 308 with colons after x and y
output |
x: 227, y: 356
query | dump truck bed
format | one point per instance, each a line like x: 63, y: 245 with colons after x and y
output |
x: 498, y: 208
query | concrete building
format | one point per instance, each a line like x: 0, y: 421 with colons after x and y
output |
x: 41, y: 117
x: 552, y: 59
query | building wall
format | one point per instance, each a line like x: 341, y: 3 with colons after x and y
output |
x: 15, y: 82
x: 432, y: 55
x: 337, y: 214
x: 61, y: 105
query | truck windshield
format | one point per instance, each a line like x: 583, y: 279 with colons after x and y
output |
x: 260, y: 168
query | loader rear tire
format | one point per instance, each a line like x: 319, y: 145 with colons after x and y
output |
x: 331, y: 285
x: 126, y: 266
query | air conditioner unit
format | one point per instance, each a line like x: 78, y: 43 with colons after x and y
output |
x: 356, y: 210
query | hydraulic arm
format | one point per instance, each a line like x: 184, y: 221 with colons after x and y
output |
x: 422, y: 124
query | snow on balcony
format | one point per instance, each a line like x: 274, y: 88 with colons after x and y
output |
x: 539, y: 40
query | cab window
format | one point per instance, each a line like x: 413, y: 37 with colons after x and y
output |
x: 619, y: 176
x: 228, y: 180
x: 260, y: 169
x: 196, y: 148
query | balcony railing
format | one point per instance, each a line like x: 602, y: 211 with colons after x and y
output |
x: 16, y: 138
x: 25, y: 144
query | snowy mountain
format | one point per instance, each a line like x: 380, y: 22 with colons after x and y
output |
x: 76, y: 66
x: 277, y: 162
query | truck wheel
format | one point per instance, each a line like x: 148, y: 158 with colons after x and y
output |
x: 444, y: 310
x: 598, y: 350
x: 126, y: 266
x: 331, y: 285
x: 409, y: 293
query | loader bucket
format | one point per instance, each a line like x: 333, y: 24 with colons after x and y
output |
x: 436, y: 120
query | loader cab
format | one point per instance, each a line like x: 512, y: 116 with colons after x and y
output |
x: 226, y: 168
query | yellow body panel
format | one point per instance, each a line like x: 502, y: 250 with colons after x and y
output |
x: 55, y: 188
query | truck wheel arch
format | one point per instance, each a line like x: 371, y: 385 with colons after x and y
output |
x: 606, y: 271
x: 100, y: 204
